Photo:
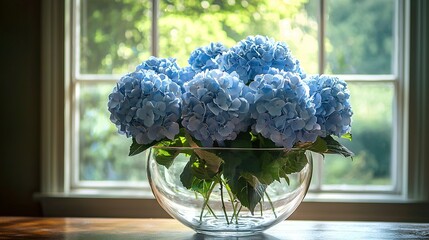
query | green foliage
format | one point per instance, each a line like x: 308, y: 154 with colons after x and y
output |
x: 347, y: 136
x: 246, y: 174
x: 271, y: 169
x: 319, y: 146
x: 187, y: 177
x: 219, y: 21
x: 335, y: 147
x: 360, y: 36
x: 294, y: 161
x: 249, y: 190
x: 137, y: 148
x: 115, y: 35
x: 165, y: 157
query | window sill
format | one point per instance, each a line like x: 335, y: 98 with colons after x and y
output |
x: 341, y: 207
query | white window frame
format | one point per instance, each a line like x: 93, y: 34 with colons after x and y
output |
x: 59, y: 100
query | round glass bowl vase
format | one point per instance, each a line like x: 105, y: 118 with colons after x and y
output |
x: 229, y: 192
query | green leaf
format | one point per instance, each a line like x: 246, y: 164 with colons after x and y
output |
x: 201, y: 170
x: 172, y: 148
x: 296, y: 161
x: 201, y: 186
x: 209, y: 159
x: 232, y: 167
x: 270, y: 170
x: 165, y: 157
x: 137, y: 148
x: 265, y: 142
x: 347, y: 136
x: 255, y: 183
x: 190, y: 181
x: 337, y: 148
x: 253, y: 137
x: 178, y: 141
x: 195, y: 168
x: 249, y: 190
x: 186, y: 177
x: 319, y: 146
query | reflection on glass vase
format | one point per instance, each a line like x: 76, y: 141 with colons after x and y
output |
x: 229, y: 192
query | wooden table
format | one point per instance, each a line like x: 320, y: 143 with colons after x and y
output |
x: 169, y: 229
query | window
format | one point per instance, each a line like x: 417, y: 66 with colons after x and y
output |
x: 82, y: 60
x: 358, y: 41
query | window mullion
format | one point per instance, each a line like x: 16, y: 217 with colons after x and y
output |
x: 73, y: 165
x: 321, y: 36
x: 76, y: 37
x: 318, y: 171
x: 155, y: 14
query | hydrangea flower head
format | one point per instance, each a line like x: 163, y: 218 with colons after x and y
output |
x: 204, y: 58
x: 166, y: 66
x: 213, y: 108
x: 185, y: 75
x: 283, y: 109
x: 256, y: 55
x: 332, y: 102
x: 146, y: 106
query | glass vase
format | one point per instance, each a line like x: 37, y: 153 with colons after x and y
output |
x: 229, y: 192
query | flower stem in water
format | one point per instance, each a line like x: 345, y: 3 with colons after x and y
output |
x: 271, y: 204
x: 236, y: 215
x: 231, y: 197
x: 211, y: 211
x: 206, y: 200
x: 223, y: 203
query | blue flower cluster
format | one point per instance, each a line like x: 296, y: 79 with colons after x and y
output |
x: 204, y: 58
x: 332, y: 102
x: 167, y: 66
x: 146, y: 106
x: 213, y: 107
x: 186, y: 74
x: 255, y: 86
x: 256, y: 55
x: 283, y: 109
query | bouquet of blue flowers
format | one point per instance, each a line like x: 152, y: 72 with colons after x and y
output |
x: 253, y: 95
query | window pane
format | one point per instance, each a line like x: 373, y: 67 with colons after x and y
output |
x: 186, y: 25
x: 372, y: 138
x: 359, y: 36
x: 103, y: 153
x: 114, y: 35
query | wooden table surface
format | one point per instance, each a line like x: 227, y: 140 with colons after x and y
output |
x: 169, y: 229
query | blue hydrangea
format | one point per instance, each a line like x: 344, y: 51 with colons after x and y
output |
x: 146, y: 105
x: 186, y: 74
x: 166, y: 66
x: 213, y: 107
x: 332, y: 102
x: 205, y: 58
x: 256, y: 55
x: 282, y: 108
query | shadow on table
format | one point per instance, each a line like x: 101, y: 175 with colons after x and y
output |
x: 261, y: 236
